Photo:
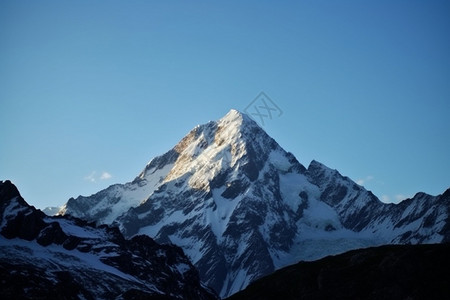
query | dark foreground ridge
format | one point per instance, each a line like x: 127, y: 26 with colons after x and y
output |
x: 45, y: 257
x: 386, y: 272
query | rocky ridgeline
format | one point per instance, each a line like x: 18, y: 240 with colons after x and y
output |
x: 67, y: 258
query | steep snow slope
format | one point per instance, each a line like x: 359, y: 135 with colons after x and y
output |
x: 240, y: 206
x: 108, y: 204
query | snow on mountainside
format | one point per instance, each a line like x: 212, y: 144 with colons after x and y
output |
x: 51, y: 211
x: 112, y: 202
x: 66, y: 258
x: 241, y: 207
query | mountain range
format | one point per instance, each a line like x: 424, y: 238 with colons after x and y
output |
x: 241, y: 207
x: 44, y: 257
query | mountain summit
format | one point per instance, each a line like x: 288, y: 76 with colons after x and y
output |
x: 241, y: 207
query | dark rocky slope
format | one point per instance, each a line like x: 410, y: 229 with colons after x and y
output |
x: 386, y: 272
x: 45, y: 257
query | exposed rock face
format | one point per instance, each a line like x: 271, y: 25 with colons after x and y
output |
x: 386, y: 272
x: 66, y: 258
x: 241, y: 207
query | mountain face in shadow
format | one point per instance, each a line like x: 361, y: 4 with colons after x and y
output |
x: 44, y: 257
x: 385, y: 272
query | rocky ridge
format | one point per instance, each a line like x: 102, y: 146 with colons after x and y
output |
x: 67, y: 258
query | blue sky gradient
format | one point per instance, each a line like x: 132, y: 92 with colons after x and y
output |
x: 90, y: 91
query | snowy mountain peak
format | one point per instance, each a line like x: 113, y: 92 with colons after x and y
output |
x: 238, y: 118
x: 233, y: 115
x: 212, y: 148
x: 210, y: 138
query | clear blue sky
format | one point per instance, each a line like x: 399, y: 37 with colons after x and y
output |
x: 90, y: 91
